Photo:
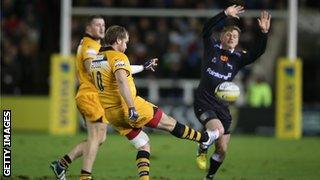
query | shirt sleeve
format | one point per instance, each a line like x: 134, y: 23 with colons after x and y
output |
x: 257, y: 49
x: 89, y: 50
x: 212, y: 24
x: 209, y: 27
x: 120, y: 61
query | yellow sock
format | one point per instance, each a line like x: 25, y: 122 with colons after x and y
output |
x: 184, y: 132
x: 191, y: 134
x: 143, y: 164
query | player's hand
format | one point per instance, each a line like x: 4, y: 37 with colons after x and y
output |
x: 234, y: 10
x: 133, y: 115
x: 151, y: 64
x: 264, y: 21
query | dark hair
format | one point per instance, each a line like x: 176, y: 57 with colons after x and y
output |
x: 231, y: 28
x: 91, y: 18
x: 113, y: 33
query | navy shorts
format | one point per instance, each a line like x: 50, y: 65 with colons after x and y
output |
x: 205, y: 111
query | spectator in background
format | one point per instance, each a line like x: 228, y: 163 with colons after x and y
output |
x: 27, y: 20
x: 20, y: 42
x: 163, y: 35
x: 172, y: 60
x: 10, y: 73
x: 259, y: 93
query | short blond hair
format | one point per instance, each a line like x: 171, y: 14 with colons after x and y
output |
x: 115, y: 32
x: 231, y: 28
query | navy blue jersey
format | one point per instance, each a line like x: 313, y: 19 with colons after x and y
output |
x: 220, y: 65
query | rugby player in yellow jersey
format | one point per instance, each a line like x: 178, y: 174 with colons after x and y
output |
x: 88, y: 103
x: 126, y: 111
x: 87, y: 100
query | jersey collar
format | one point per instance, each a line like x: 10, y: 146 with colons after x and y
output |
x: 88, y: 35
x: 230, y: 50
x: 106, y: 48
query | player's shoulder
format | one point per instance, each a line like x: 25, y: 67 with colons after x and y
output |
x: 90, y: 43
x: 120, y: 55
x: 112, y: 54
x: 89, y: 40
x: 89, y: 46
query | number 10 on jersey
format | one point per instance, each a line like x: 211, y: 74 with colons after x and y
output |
x: 97, y: 78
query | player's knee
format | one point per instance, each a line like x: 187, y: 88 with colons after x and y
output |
x: 141, y: 141
x: 100, y: 133
x: 97, y: 138
x: 221, y: 131
x: 167, y: 123
x: 215, y: 124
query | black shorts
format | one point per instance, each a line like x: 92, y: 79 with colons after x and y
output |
x: 205, y: 111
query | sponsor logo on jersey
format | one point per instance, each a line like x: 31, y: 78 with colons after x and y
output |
x: 96, y: 65
x: 119, y: 64
x: 99, y: 57
x: 218, y: 75
x: 99, y: 64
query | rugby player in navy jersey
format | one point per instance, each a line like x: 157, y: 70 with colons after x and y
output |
x: 221, y: 62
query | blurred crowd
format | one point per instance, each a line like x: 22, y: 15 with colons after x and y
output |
x: 199, y: 4
x: 175, y: 41
x: 30, y: 34
x: 19, y: 46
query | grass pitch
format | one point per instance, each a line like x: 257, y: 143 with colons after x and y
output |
x: 249, y: 158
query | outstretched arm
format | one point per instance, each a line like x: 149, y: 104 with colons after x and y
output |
x: 261, y: 43
x: 136, y: 69
x: 148, y: 65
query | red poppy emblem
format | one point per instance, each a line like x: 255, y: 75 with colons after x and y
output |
x: 224, y: 58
